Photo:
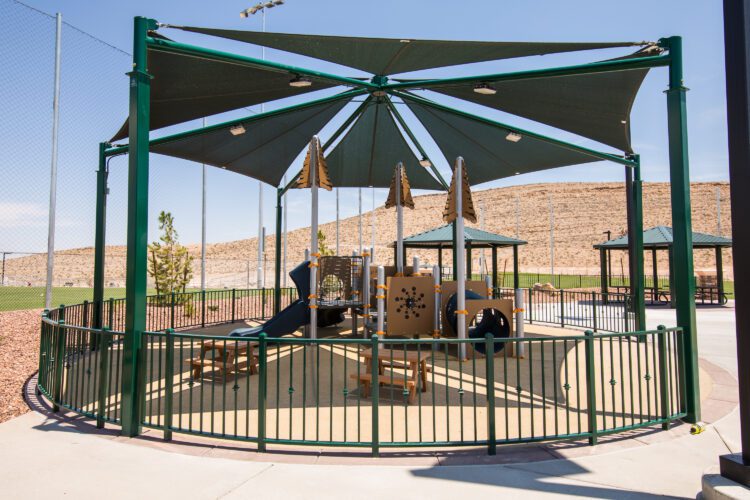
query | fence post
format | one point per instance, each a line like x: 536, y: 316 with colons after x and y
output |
x: 203, y: 308
x: 111, y: 313
x: 593, y: 308
x: 262, y: 390
x: 234, y: 294
x: 59, y: 359
x: 663, y: 374
x: 591, y: 386
x: 104, y: 343
x: 531, y: 304
x: 171, y: 314
x: 375, y: 395
x: 263, y: 303
x: 169, y: 385
x: 43, y: 352
x: 562, y: 308
x: 489, y: 341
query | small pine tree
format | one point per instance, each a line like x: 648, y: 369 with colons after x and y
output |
x: 323, y: 248
x: 170, y: 264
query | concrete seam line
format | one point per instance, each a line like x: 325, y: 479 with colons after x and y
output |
x: 247, y: 480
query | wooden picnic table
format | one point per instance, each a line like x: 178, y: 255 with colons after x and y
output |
x: 413, y: 361
x: 230, y: 356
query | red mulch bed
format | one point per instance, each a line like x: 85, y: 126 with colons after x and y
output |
x: 19, y: 358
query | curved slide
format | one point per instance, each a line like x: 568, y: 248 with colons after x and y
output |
x: 296, y: 314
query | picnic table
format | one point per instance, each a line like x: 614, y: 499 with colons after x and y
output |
x: 230, y: 356
x: 414, y: 364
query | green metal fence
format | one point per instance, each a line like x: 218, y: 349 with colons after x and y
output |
x: 404, y: 393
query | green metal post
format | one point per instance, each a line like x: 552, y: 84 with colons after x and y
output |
x: 137, y: 236
x: 277, y: 264
x: 591, y: 386
x: 516, y: 277
x: 562, y: 308
x: 719, y: 274
x: 603, y: 273
x: 670, y: 255
x: 593, y: 309
x: 468, y: 262
x: 169, y: 385
x: 655, y: 272
x: 494, y: 268
x: 59, y: 359
x: 262, y: 390
x: 104, y: 343
x: 99, y: 237
x: 679, y: 173
x: 637, y: 285
x: 663, y: 374
x: 490, y: 376
x: 203, y: 308
x: 375, y: 394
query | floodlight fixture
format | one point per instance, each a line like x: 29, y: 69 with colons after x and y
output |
x: 484, y: 89
x: 513, y: 137
x: 238, y: 129
x: 300, y: 82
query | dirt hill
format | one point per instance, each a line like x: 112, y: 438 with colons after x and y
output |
x: 582, y: 213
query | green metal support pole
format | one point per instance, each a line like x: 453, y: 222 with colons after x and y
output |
x: 494, y: 268
x: 262, y: 390
x: 655, y: 271
x: 670, y: 255
x: 137, y: 235
x: 679, y: 173
x: 375, y: 395
x: 637, y: 284
x: 99, y: 237
x: 603, y: 273
x: 169, y: 385
x: 440, y: 262
x: 489, y: 347
x: 277, y: 263
x: 719, y: 274
x: 516, y: 280
x: 663, y: 377
x: 103, y: 389
x: 469, y: 269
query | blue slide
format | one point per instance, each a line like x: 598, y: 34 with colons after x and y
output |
x: 293, y: 316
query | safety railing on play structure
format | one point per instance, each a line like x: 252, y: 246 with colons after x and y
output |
x: 324, y: 391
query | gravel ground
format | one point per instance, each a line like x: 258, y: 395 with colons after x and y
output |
x: 19, y: 357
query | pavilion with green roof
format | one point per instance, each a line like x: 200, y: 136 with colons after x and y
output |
x: 442, y: 237
x: 661, y: 238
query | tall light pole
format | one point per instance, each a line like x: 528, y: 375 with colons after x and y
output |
x: 53, y: 168
x: 261, y: 7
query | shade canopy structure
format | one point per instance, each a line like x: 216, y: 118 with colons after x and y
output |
x: 441, y: 238
x: 390, y: 56
x: 173, y: 82
x: 662, y: 238
x: 189, y: 82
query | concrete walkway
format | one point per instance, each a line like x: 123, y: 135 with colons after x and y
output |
x: 42, y: 458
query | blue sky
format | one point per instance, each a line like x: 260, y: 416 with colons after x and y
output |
x: 96, y: 99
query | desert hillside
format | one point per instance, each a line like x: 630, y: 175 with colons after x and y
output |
x: 582, y: 213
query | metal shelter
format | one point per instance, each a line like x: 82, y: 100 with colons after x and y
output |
x: 661, y: 238
x: 442, y: 238
x: 172, y: 82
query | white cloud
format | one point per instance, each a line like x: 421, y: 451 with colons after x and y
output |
x: 17, y: 214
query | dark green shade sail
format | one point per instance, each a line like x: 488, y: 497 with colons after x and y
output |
x: 596, y: 105
x: 389, y: 56
x: 661, y: 237
x: 266, y: 148
x: 443, y: 237
x: 185, y: 88
x: 371, y: 149
x: 489, y: 155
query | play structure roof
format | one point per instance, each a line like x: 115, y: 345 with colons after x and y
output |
x: 187, y: 84
x: 661, y: 237
x: 442, y: 237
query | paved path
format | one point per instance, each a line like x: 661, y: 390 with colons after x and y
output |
x: 44, y: 458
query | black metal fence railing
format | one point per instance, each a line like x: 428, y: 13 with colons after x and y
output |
x: 373, y: 393
x: 607, y: 312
